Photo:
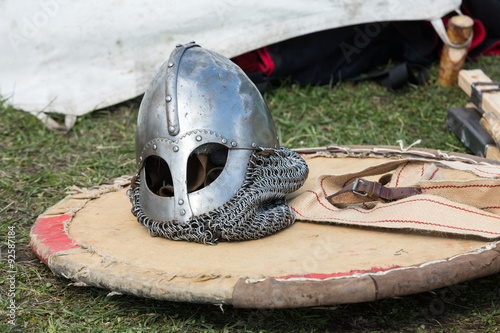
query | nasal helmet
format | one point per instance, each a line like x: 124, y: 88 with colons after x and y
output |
x: 209, y: 164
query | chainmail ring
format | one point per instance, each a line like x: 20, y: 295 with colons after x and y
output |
x: 257, y: 210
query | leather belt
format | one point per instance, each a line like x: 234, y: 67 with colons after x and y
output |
x: 364, y: 190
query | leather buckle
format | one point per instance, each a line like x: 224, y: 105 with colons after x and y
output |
x: 355, y: 187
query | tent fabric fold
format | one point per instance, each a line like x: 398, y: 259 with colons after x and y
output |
x: 75, y: 57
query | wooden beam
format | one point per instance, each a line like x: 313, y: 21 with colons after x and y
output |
x: 490, y: 101
x: 490, y: 105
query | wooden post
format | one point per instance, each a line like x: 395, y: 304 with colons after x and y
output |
x: 459, y: 31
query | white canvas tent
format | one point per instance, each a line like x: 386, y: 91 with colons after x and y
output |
x: 72, y: 57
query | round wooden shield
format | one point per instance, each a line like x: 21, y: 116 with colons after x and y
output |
x: 92, y: 237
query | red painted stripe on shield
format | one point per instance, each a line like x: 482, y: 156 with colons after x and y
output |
x: 48, y: 236
x: 320, y: 276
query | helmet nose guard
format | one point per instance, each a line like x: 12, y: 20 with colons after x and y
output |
x: 200, y: 127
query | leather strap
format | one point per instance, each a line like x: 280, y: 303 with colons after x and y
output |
x: 362, y: 190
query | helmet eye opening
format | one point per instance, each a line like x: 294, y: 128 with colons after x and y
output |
x: 204, y: 166
x: 158, y: 176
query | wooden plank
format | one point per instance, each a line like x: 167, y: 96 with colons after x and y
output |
x: 467, y: 77
x: 490, y: 101
x: 490, y: 104
x: 493, y: 153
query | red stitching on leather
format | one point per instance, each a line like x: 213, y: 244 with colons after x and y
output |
x: 400, y: 203
x: 319, y: 201
x: 321, y: 185
x: 408, y: 221
x: 400, y: 171
x: 434, y: 173
x: 297, y: 212
x: 346, y: 182
x: 491, y: 173
x: 416, y: 222
x: 458, y: 186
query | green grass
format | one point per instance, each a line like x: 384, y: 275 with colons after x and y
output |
x: 38, y: 166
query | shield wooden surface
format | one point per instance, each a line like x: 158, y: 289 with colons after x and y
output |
x: 92, y: 237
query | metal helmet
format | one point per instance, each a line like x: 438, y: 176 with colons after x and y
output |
x: 202, y: 125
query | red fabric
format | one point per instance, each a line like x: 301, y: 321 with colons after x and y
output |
x: 479, y: 37
x: 256, y: 61
x: 247, y: 62
x: 479, y: 34
x: 266, y: 65
x: 493, y: 49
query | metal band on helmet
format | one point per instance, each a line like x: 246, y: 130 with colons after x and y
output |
x: 200, y: 124
x: 200, y: 89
